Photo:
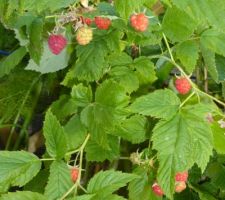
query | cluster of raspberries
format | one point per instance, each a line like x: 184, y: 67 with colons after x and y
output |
x: 58, y: 42
x: 180, y: 184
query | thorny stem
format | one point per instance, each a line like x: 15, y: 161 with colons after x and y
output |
x: 81, y: 150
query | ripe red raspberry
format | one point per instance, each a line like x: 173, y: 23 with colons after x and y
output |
x: 182, y: 85
x: 139, y: 22
x: 86, y: 20
x: 74, y: 173
x: 102, y: 23
x: 84, y: 35
x: 56, y: 43
x: 181, y: 176
x: 157, y: 189
x: 180, y: 186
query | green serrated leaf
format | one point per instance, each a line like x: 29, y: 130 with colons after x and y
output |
x: 126, y: 77
x: 81, y: 94
x: 179, y: 142
x: 36, y: 42
x: 111, y: 94
x: 220, y: 63
x: 107, y: 182
x: 121, y: 59
x: 69, y: 79
x: 52, y: 5
x: 3, y: 7
x: 13, y: 5
x: 21, y: 37
x: 149, y: 3
x: 204, y: 11
x: 75, y: 132
x: 216, y: 172
x: 145, y: 70
x: 167, y: 2
x: 223, y: 89
x: 214, y: 63
x: 84, y: 197
x: 204, y: 195
x: 95, y: 152
x: 123, y: 72
x: 41, y: 179
x: 210, y: 62
x: 188, y: 54
x: 18, y: 167
x: 136, y: 187
x: 219, y: 138
x: 114, y: 197
x: 23, y: 195
x: 160, y: 104
x: 9, y: 63
x: 56, y: 143
x: 50, y: 62
x: 60, y: 4
x: 64, y: 107
x: 214, y: 40
x: 132, y: 129
x: 177, y: 25
x: 59, y: 180
x: 108, y: 109
x: 126, y: 7
x: 91, y: 61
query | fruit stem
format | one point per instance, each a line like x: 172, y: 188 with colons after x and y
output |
x: 81, y: 150
x: 81, y: 157
x: 72, y: 152
x: 211, y: 97
x: 196, y: 89
x: 186, y: 100
x: 82, y: 188
x: 168, y: 47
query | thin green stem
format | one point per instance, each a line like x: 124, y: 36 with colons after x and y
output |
x: 124, y: 158
x: 69, y: 191
x: 81, y: 150
x: 187, y: 99
x: 75, y: 161
x: 81, y: 157
x: 47, y: 159
x: 168, y: 47
x: 10, y: 125
x: 211, y: 97
x: 82, y: 188
x: 187, y: 77
x: 19, y: 112
x: 51, y: 16
x: 195, y: 88
x: 72, y: 152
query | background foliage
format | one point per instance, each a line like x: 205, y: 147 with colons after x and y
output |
x: 111, y: 107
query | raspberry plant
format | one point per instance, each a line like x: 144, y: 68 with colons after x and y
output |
x: 137, y: 98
